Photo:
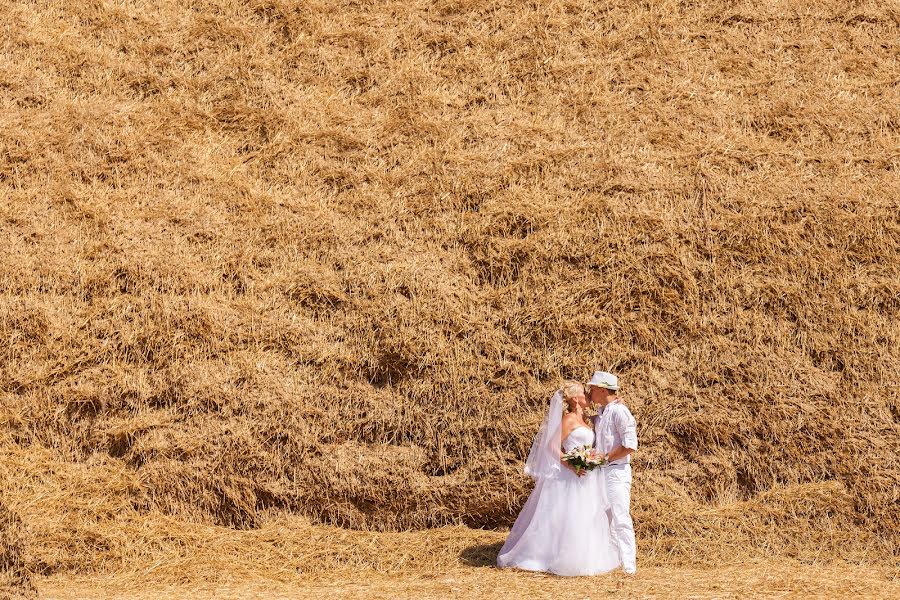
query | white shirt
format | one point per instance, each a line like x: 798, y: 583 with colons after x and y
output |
x: 615, y: 427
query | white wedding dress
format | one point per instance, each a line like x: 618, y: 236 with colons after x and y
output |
x: 563, y: 527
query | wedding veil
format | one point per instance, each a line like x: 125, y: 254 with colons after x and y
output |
x: 543, y: 460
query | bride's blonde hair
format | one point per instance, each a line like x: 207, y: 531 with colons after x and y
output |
x: 571, y: 388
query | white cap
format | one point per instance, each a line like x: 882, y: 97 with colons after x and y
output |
x: 604, y: 380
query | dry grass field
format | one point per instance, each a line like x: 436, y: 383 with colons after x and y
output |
x: 285, y: 285
x: 733, y: 583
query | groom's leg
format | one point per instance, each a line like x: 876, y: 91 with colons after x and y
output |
x: 614, y: 541
x: 612, y: 531
x: 619, y: 492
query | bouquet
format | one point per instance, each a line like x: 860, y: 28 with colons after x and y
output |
x: 584, y: 458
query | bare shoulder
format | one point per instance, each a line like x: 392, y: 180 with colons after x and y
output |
x: 569, y: 422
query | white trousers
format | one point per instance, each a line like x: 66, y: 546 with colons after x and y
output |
x: 618, y: 490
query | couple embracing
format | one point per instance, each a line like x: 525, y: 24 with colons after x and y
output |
x: 577, y: 521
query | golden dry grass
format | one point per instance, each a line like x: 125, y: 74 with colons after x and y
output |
x: 756, y: 580
x: 274, y: 258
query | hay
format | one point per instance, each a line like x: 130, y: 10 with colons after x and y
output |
x: 329, y: 259
x: 15, y: 578
x: 781, y: 579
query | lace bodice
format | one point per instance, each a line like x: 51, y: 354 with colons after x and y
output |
x: 580, y: 436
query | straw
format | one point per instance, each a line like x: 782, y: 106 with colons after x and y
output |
x: 327, y: 261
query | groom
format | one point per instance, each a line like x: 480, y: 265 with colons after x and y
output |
x: 616, y: 437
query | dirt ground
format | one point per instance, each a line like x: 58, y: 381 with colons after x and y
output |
x: 783, y: 579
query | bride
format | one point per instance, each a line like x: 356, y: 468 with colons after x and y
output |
x: 563, y: 528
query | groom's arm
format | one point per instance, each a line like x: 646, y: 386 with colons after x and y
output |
x: 619, y: 452
x: 626, y: 427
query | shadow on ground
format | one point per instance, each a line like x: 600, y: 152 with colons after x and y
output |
x: 483, y: 555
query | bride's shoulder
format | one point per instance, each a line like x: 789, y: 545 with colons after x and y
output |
x: 569, y: 418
